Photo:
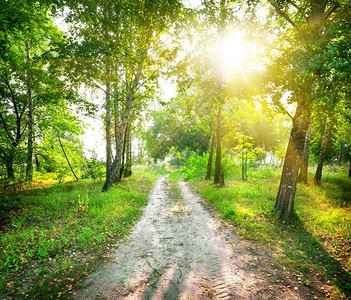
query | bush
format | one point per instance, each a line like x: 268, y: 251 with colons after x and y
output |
x: 195, y: 166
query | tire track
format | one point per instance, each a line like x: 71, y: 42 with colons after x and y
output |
x: 178, y: 250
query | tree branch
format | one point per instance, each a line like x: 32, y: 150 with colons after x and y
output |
x: 282, y: 14
x: 23, y: 131
x: 282, y: 108
x: 346, y: 11
x: 298, y: 9
x: 12, y: 96
x: 64, y: 152
x: 332, y: 9
x: 6, y: 128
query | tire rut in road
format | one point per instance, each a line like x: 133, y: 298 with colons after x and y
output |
x: 178, y: 250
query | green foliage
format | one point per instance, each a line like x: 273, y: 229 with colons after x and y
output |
x: 94, y: 168
x: 170, y: 134
x: 62, y: 231
x: 195, y: 166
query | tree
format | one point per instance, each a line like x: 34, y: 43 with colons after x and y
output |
x: 298, y: 69
x: 31, y: 78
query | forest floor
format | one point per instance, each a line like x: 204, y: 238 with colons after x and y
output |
x: 180, y: 249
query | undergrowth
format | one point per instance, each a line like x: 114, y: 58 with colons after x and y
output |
x: 60, y: 233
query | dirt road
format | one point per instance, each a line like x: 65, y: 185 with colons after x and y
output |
x: 180, y: 250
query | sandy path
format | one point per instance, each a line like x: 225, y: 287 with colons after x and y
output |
x: 179, y: 250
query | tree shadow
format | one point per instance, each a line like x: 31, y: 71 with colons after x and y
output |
x: 340, y: 189
x: 307, y: 250
x: 174, y: 287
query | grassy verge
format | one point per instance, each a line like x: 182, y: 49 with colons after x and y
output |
x: 60, y: 234
x: 317, y: 240
x: 174, y: 188
x: 175, y: 175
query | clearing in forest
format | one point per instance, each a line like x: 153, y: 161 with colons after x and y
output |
x: 180, y: 250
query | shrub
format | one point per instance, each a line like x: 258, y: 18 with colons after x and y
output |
x: 195, y: 166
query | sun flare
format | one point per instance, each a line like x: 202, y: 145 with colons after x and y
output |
x: 230, y: 54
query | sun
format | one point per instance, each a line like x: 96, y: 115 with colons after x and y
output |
x: 230, y: 54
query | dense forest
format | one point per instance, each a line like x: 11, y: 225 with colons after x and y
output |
x: 235, y: 95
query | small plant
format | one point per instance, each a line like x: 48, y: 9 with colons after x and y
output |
x: 306, y: 282
x: 82, y: 205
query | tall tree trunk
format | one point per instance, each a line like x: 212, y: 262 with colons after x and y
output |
x: 69, y: 164
x: 123, y: 156
x: 116, y: 128
x: 303, y: 175
x: 9, y: 168
x: 37, y: 161
x: 107, y: 93
x: 318, y: 175
x: 217, y: 174
x: 29, y: 169
x: 210, y: 156
x: 108, y: 125
x: 128, y: 164
x: 263, y: 153
x: 340, y: 153
x: 287, y: 188
x: 116, y: 119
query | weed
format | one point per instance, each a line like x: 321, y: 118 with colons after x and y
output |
x: 82, y: 205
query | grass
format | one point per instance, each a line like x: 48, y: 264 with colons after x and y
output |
x: 174, y: 188
x: 317, y: 239
x: 60, y: 233
x: 175, y: 175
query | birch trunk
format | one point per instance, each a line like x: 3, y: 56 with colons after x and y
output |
x: 29, y: 169
x: 116, y: 164
x: 318, y: 175
x: 107, y: 95
x: 210, y: 156
x: 108, y: 125
x: 303, y: 175
x: 217, y: 174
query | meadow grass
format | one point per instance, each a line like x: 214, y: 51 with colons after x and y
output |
x: 60, y: 233
x: 317, y: 239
